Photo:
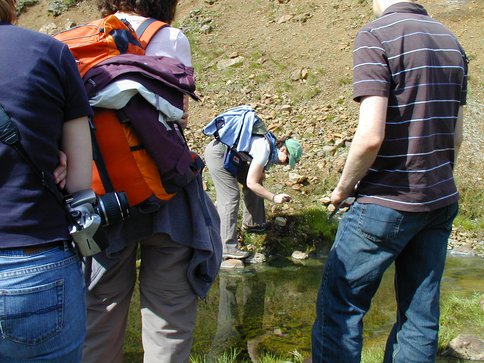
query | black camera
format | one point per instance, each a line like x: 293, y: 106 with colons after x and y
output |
x: 90, y: 212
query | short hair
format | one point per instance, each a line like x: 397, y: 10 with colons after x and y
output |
x: 8, y: 11
x: 281, y: 141
x: 163, y: 10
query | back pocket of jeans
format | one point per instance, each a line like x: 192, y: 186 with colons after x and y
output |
x: 32, y: 315
x: 379, y: 224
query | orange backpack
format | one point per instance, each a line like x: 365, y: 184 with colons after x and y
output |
x: 122, y: 164
x: 100, y: 40
x: 130, y: 168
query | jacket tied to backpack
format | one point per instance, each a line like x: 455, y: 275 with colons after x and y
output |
x: 136, y: 100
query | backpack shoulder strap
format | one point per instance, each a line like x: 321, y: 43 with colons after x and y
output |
x: 148, y: 29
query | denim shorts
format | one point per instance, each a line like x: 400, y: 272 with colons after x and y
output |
x: 42, y: 305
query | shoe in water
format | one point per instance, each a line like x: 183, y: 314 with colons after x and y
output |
x: 235, y: 253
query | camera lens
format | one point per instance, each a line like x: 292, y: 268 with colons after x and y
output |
x: 113, y: 207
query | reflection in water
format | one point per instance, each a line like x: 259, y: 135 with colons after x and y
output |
x: 240, y: 308
x: 270, y: 308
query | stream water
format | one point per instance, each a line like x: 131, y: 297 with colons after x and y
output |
x: 270, y: 307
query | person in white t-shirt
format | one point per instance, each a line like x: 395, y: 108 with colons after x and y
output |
x: 282, y: 151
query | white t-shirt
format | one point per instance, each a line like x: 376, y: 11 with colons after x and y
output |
x: 260, y: 150
x: 167, y: 42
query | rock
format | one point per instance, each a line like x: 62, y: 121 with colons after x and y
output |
x: 339, y: 142
x: 466, y: 346
x: 256, y: 258
x: 304, y: 73
x: 302, y: 18
x: 278, y: 332
x: 226, y: 63
x: 50, y: 29
x: 232, y: 264
x: 298, y: 255
x: 462, y: 251
x: 296, y: 187
x: 295, y: 178
x: 69, y: 24
x: 329, y: 150
x: 286, y: 108
x: 325, y: 200
x: 280, y: 221
x: 296, y: 75
x: 284, y: 18
x: 206, y: 29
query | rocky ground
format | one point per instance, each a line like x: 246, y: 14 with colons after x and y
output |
x: 291, y: 60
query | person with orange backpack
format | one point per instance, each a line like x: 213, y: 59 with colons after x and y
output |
x: 177, y: 235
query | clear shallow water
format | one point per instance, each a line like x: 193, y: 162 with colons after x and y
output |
x: 271, y: 307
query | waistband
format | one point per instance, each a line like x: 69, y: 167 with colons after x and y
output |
x: 30, y: 250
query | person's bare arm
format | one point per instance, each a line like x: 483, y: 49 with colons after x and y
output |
x: 254, y: 178
x: 366, y: 143
x: 76, y: 143
x: 459, y: 133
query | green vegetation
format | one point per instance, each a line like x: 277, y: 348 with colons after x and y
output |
x: 22, y: 5
x: 458, y: 315
x: 308, y: 231
x: 57, y: 7
x: 225, y: 357
x: 471, y: 207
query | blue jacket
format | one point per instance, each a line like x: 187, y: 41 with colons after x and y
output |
x: 236, y: 123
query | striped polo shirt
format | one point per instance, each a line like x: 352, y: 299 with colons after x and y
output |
x: 419, y: 65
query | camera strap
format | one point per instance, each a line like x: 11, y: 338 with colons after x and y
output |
x: 10, y: 135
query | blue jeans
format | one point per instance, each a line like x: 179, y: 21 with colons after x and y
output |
x: 369, y: 239
x: 42, y: 306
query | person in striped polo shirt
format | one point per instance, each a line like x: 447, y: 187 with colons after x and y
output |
x: 410, y: 78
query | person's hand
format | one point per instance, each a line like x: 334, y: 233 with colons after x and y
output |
x: 281, y: 198
x: 183, y: 122
x: 339, y: 196
x: 60, y: 172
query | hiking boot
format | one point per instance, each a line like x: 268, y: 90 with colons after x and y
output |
x: 235, y: 253
x: 259, y: 228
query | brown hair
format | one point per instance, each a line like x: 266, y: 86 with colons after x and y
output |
x: 8, y: 11
x: 163, y: 10
x: 280, y: 142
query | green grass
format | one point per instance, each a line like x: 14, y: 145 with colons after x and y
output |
x: 226, y: 357
x: 471, y: 207
x: 460, y: 315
